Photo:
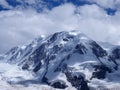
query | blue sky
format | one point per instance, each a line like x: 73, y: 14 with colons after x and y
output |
x: 23, y: 20
x: 49, y: 4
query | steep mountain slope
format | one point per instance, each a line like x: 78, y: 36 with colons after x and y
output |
x: 66, y: 59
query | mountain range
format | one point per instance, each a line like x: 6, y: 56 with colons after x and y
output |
x: 64, y: 59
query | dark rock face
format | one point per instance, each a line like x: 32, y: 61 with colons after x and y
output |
x: 114, y: 56
x: 80, y: 49
x: 77, y: 81
x: 100, y: 72
x: 37, y: 67
x: 65, y: 39
x: 55, y: 36
x: 97, y: 50
x: 116, y: 53
x: 45, y: 80
x: 59, y: 84
x: 113, y: 59
x: 56, y: 49
x: 39, y: 54
x: 25, y: 66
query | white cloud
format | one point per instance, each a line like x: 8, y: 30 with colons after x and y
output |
x: 107, y: 3
x: 18, y: 27
x: 91, y: 11
x: 5, y: 4
x: 98, y: 25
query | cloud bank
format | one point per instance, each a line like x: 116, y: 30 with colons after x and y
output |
x: 18, y: 27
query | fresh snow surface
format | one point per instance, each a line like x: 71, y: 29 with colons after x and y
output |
x: 12, y: 73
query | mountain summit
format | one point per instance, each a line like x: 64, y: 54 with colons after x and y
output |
x: 66, y: 59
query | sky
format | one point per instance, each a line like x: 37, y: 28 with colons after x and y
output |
x: 23, y: 20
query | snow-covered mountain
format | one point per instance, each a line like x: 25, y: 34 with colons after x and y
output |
x: 63, y: 60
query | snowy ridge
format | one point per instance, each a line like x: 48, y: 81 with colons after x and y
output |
x: 63, y: 60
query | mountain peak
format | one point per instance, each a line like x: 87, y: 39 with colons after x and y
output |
x: 65, y: 57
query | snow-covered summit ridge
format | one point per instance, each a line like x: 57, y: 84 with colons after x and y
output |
x: 59, y: 36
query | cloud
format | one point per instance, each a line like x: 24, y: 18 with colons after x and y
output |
x: 19, y: 27
x: 4, y: 4
x: 95, y: 22
x: 107, y: 3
